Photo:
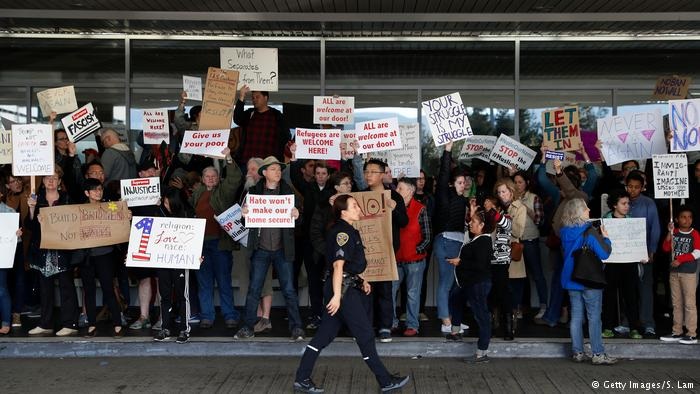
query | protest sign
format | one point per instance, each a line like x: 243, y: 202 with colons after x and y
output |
x: 206, y: 143
x: 5, y: 145
x: 347, y: 144
x: 631, y: 136
x: 406, y: 160
x: 378, y: 135
x: 589, y: 139
x: 32, y: 149
x: 269, y: 211
x: 561, y: 129
x: 140, y: 191
x: 554, y: 155
x: 628, y: 238
x: 684, y: 122
x: 375, y: 230
x: 81, y: 123
x: 59, y: 100
x: 156, y: 242
x: 156, y: 126
x: 321, y: 144
x: 334, y: 110
x: 84, y: 225
x: 447, y: 119
x: 193, y: 87
x: 230, y: 221
x: 257, y: 66
x: 508, y: 152
x: 568, y: 160
x: 478, y: 147
x: 671, y: 87
x: 671, y: 176
x: 9, y: 224
x: 220, y: 95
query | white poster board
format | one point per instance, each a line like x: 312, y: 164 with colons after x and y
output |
x: 156, y: 242
x: 447, y: 119
x: 140, y: 191
x: 508, y: 152
x: 628, y: 238
x: 257, y: 66
x: 9, y: 224
x: 671, y: 176
x: 193, y: 87
x: 632, y: 136
x: 269, y: 211
x: 5, y: 145
x: 478, y: 147
x: 334, y: 110
x: 321, y: 144
x: 60, y: 100
x: 378, y: 135
x: 230, y: 221
x: 156, y: 126
x: 406, y: 160
x: 206, y: 143
x: 32, y: 150
x: 684, y: 122
x: 81, y: 123
x: 347, y: 144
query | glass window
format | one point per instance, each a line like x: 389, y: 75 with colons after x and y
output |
x: 13, y: 105
x: 638, y: 101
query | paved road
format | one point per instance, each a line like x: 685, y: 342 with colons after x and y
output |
x: 337, y: 375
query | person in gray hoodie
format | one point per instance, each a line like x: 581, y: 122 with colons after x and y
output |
x: 118, y: 160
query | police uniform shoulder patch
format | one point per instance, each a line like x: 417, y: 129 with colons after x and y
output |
x: 341, y: 239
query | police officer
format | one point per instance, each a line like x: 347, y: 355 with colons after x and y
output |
x: 344, y: 290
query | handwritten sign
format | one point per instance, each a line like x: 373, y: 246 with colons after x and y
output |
x: 174, y: 243
x: 347, y: 144
x: 375, y: 230
x: 508, y: 151
x: 81, y: 123
x: 156, y: 126
x: 671, y: 176
x: 219, y: 99
x: 257, y: 66
x: 478, y: 147
x: 671, y: 87
x: 628, y: 238
x: 206, y: 143
x: 406, y: 160
x: 561, y: 129
x: 193, y: 87
x: 32, y: 150
x: 84, y: 225
x: 447, y: 119
x: 9, y: 223
x: 318, y: 144
x: 684, y: 121
x: 140, y: 191
x: 632, y: 136
x: 5, y: 145
x: 334, y: 110
x: 378, y: 135
x: 230, y: 221
x: 270, y: 211
x: 59, y: 100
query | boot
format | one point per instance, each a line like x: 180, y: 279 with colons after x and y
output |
x: 508, y: 331
x: 495, y: 319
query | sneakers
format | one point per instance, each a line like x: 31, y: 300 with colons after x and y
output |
x: 243, y: 333
x: 649, y: 333
x: 410, y: 332
x: 40, y: 332
x: 205, y: 323
x: 580, y: 357
x: 423, y: 317
x: 183, y: 337
x: 634, y: 334
x: 402, y: 317
x: 603, y: 359
x: 385, y: 337
x: 671, y: 338
x: 158, y: 326
x: 141, y: 323
x: 688, y: 340
x: 16, y: 320
x: 475, y: 359
x: 231, y: 323
x: 162, y: 335
x: 307, y: 386
x: 298, y: 334
x: 608, y: 334
x: 448, y: 329
x: 541, y: 312
x: 453, y: 337
x: 118, y: 334
x: 264, y: 325
x: 67, y: 332
x: 314, y: 323
x: 395, y: 383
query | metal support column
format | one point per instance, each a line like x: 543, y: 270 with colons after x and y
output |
x: 127, y: 92
x: 516, y: 92
x: 323, y: 66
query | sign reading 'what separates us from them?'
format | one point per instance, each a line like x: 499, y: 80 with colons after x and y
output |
x: 257, y: 66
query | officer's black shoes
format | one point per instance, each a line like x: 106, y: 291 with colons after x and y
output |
x: 306, y: 386
x: 395, y: 383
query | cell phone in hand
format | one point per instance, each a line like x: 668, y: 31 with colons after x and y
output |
x: 596, y: 223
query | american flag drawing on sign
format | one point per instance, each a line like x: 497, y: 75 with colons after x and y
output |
x: 145, y: 225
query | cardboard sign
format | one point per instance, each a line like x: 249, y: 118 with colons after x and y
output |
x: 554, y: 155
x: 561, y: 129
x: 684, y: 122
x: 671, y: 176
x: 447, y: 119
x: 334, y: 110
x: 59, y: 100
x: 318, y: 144
x: 628, y: 238
x: 193, y: 87
x: 5, y: 145
x: 174, y: 243
x: 156, y: 126
x: 84, y: 225
x: 32, y: 150
x: 230, y: 221
x: 257, y: 66
x: 378, y: 135
x: 347, y: 144
x: 269, y: 211
x: 81, y: 123
x: 220, y: 95
x: 375, y: 230
x: 508, y: 151
x: 9, y: 223
x: 671, y: 87
x: 478, y: 147
x: 404, y: 161
x: 632, y: 136
x: 206, y: 143
x: 140, y: 191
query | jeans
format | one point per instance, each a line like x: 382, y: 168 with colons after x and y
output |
x: 413, y: 273
x: 592, y: 300
x: 260, y: 262
x: 18, y: 281
x: 646, y: 297
x: 5, y: 303
x: 533, y: 264
x: 217, y: 265
x: 556, y: 295
x: 445, y: 248
x: 477, y: 294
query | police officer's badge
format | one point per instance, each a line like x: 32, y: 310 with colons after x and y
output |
x: 341, y: 239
